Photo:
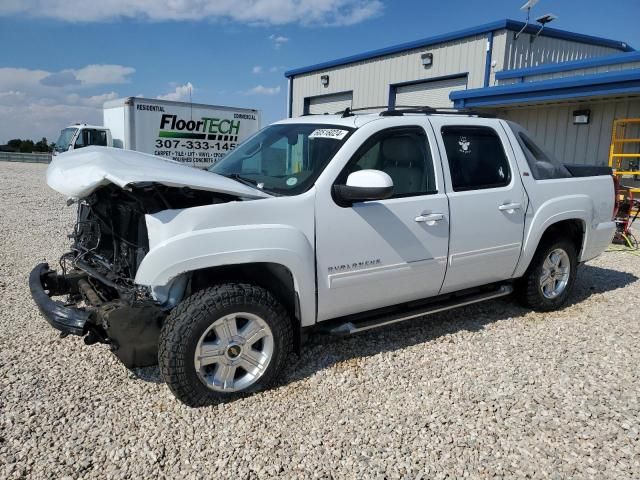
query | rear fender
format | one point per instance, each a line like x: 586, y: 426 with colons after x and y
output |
x: 574, y: 207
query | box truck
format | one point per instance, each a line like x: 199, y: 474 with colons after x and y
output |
x: 191, y: 133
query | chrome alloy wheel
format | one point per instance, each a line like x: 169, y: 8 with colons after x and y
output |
x: 555, y: 273
x: 234, y: 352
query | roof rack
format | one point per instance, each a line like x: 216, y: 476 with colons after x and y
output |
x: 400, y: 110
x: 348, y: 112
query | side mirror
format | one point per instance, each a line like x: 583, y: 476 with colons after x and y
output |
x: 364, y: 185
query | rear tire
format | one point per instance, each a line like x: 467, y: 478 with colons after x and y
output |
x: 223, y: 342
x: 550, y: 277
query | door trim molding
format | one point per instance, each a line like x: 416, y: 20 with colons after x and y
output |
x: 381, y: 273
x: 471, y: 254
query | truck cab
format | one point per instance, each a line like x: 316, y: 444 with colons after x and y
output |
x: 82, y: 135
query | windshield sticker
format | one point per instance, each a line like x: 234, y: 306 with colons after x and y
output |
x: 291, y: 181
x: 464, y: 145
x: 335, y: 133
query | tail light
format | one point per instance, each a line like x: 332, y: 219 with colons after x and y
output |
x: 616, y: 196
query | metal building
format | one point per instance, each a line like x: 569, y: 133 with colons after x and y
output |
x: 539, y: 78
x: 570, y: 106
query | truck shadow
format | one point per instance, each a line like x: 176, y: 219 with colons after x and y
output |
x: 324, y: 351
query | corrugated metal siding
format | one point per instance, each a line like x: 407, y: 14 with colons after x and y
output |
x: 370, y: 79
x: 498, y: 53
x: 508, y: 81
x: 552, y: 126
x: 570, y: 73
x: 330, y: 103
x: 431, y: 94
x: 522, y: 53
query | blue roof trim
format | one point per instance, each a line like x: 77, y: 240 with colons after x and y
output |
x: 468, y: 32
x: 565, y: 35
x: 565, y: 88
x: 573, y: 65
x: 425, y: 42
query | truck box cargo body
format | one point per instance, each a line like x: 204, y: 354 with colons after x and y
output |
x: 195, y: 134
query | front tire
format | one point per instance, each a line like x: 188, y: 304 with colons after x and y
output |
x: 222, y: 342
x: 549, y: 279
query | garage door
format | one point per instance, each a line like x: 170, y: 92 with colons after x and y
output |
x: 328, y: 103
x: 431, y: 94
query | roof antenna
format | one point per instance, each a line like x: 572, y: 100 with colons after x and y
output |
x: 527, y: 6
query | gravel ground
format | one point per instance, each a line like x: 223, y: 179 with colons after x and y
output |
x: 486, y: 391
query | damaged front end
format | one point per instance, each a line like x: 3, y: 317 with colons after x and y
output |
x: 130, y: 327
x: 110, y: 240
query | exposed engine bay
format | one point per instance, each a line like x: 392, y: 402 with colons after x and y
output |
x: 109, y: 242
x: 110, y: 235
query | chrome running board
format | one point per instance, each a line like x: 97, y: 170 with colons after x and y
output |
x: 350, y: 328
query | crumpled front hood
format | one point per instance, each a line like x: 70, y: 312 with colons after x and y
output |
x: 78, y: 173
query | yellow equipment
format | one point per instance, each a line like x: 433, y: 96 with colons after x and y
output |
x: 625, y: 163
x: 622, y: 162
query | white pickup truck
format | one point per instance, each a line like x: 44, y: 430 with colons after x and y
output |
x: 336, y: 222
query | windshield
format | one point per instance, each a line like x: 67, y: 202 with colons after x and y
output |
x: 64, y: 140
x: 284, y: 159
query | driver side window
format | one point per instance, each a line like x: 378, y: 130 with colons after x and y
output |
x: 403, y: 154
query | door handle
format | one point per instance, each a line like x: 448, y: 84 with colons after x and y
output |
x: 430, y: 218
x: 510, y: 207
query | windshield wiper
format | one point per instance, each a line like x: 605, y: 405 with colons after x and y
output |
x: 247, y: 181
x: 239, y: 178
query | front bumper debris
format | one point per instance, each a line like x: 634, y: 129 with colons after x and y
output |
x: 44, y: 283
x: 130, y: 328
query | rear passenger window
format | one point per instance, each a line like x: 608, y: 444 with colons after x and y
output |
x: 403, y: 153
x: 97, y: 137
x: 476, y: 158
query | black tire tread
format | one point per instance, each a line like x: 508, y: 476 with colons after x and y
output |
x: 527, y: 288
x: 188, y: 314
